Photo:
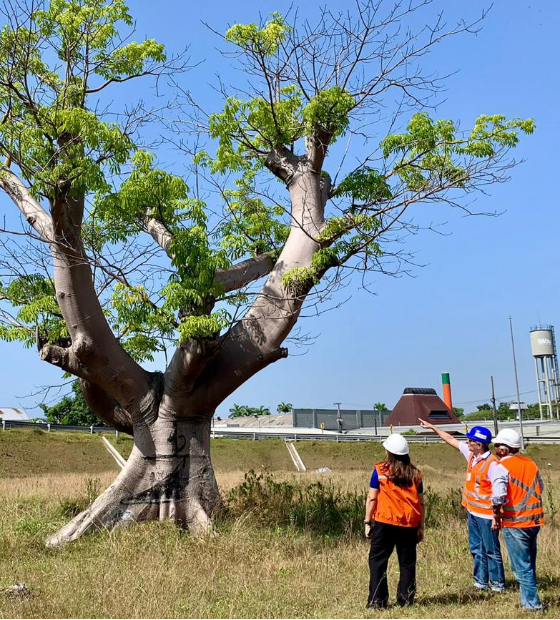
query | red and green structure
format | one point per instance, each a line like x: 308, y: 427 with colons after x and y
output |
x: 446, y: 383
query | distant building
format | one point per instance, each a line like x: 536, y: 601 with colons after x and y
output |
x: 13, y: 415
x: 349, y: 420
x: 420, y: 403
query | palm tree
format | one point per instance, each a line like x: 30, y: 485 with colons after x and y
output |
x: 261, y: 410
x: 284, y: 407
x: 380, y: 407
x: 239, y: 411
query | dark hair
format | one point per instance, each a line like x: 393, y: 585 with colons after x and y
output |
x: 401, y: 471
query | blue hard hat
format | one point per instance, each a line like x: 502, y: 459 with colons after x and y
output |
x: 480, y: 434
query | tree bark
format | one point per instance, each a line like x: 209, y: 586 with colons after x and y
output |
x: 168, y: 476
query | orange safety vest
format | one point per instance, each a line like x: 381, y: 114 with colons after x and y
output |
x: 477, y: 496
x: 396, y: 505
x: 524, y: 507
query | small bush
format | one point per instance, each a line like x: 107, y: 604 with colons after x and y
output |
x: 441, y: 507
x: 70, y: 506
x: 318, y: 507
x: 29, y: 526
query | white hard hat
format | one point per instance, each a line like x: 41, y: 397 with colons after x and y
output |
x: 396, y: 444
x: 509, y: 437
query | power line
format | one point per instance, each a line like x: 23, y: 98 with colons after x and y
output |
x: 479, y: 400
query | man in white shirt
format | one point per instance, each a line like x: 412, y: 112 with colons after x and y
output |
x: 485, y: 483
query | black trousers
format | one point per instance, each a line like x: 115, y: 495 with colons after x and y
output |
x: 384, y: 539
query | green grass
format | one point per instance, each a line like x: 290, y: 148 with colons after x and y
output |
x: 33, y: 451
x: 30, y: 452
x: 286, y: 544
x: 254, y: 567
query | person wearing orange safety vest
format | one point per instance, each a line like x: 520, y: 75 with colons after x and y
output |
x: 394, y: 517
x: 483, y: 470
x: 518, y: 512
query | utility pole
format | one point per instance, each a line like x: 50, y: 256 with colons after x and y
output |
x: 375, y: 419
x: 338, y: 416
x: 494, y: 407
x: 519, y: 413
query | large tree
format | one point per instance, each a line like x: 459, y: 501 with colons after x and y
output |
x: 126, y: 260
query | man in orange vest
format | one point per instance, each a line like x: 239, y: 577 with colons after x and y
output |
x: 483, y: 470
x: 518, y: 511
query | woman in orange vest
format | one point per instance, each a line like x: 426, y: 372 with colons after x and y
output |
x: 518, y: 508
x: 394, y: 517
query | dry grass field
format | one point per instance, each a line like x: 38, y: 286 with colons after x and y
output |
x: 272, y: 555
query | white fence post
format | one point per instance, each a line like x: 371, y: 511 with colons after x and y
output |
x: 117, y: 436
x: 3, y: 425
x: 91, y: 430
x: 48, y: 427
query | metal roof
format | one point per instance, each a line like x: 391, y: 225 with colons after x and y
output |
x: 12, y: 413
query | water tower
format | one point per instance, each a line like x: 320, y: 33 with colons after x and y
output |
x: 543, y: 346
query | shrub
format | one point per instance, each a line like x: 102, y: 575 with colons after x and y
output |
x: 318, y: 507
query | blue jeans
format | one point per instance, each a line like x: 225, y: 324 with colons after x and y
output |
x: 484, y: 544
x: 521, y: 544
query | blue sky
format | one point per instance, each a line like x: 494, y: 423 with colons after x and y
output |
x: 453, y: 314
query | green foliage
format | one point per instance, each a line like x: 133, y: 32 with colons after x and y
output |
x: 53, y: 74
x: 243, y: 411
x: 31, y: 528
x: 246, y: 129
x: 263, y: 41
x: 284, y: 407
x: 430, y: 153
x: 366, y: 185
x: 458, y: 411
x: 72, y: 410
x: 145, y: 187
x: 505, y: 413
x: 443, y: 507
x: 318, y: 507
x: 298, y: 281
x: 254, y: 227
x: 328, y: 111
x: 380, y: 407
x: 34, y: 296
x: 70, y: 507
x: 204, y: 326
x: 61, y: 144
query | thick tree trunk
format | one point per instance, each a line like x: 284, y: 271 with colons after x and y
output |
x: 168, y: 475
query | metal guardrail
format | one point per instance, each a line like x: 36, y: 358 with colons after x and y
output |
x: 224, y: 433
x: 45, y: 426
x: 422, y: 439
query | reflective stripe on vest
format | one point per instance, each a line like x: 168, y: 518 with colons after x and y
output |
x: 477, y: 496
x: 396, y: 505
x: 524, y: 507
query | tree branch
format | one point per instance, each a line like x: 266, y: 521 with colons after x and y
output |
x: 33, y: 212
x: 245, y: 272
x: 283, y: 164
x: 159, y: 232
x: 106, y: 408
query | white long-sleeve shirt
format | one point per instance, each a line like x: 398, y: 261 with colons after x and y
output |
x: 497, y: 474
